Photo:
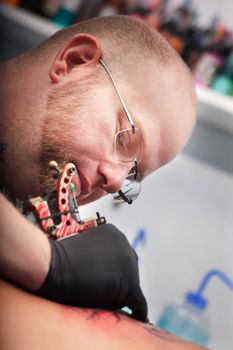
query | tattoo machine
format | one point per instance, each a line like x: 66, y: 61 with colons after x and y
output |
x: 57, y: 212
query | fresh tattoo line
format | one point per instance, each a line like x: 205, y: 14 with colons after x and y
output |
x: 90, y: 314
x: 119, y: 316
x: 98, y: 315
x: 161, y: 333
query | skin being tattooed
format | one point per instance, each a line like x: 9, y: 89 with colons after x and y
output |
x: 122, y: 316
x: 3, y: 147
x: 121, y: 324
x: 29, y: 322
x: 161, y: 333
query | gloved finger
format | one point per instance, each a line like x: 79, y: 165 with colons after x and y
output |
x: 138, y: 305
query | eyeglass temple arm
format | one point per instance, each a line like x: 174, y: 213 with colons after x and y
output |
x: 119, y: 95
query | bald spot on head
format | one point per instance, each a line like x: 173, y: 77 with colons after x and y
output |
x: 170, y: 90
x: 178, y: 115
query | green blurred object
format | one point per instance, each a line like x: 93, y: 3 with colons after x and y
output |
x: 64, y: 17
x: 222, y: 84
x: 67, y: 12
x: 223, y: 80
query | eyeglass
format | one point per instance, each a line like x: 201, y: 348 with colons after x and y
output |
x: 128, y: 148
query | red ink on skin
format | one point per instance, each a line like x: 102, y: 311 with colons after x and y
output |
x: 104, y: 317
x: 108, y: 324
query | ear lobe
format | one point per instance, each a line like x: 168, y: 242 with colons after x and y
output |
x: 80, y: 50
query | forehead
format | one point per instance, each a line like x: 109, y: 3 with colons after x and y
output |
x: 161, y: 110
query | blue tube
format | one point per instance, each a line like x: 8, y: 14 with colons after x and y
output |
x: 196, y: 298
x: 217, y: 273
x: 140, y: 237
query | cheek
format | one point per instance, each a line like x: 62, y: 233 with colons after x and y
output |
x: 96, y: 141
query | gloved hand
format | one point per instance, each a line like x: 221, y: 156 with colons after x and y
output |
x: 97, y: 268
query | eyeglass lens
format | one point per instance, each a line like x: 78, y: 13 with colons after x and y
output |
x: 128, y: 145
x: 129, y: 190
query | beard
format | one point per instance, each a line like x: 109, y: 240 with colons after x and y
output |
x: 60, y: 128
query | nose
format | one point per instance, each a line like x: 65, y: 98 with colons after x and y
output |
x: 114, y: 174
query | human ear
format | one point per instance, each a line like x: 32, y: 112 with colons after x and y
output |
x: 80, y: 50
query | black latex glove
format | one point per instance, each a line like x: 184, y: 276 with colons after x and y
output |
x: 97, y: 268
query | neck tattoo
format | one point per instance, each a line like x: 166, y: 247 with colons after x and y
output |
x: 3, y: 147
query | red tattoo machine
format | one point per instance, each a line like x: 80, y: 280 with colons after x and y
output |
x: 57, y: 212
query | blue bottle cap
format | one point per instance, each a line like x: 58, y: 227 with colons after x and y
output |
x: 197, y: 300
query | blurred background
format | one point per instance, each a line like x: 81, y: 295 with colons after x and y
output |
x: 181, y: 225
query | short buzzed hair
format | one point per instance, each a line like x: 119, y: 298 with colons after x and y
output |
x: 120, y: 37
x: 126, y: 43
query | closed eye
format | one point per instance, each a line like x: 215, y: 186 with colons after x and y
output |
x: 123, y: 140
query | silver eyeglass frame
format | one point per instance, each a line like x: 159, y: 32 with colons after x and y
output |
x: 120, y: 193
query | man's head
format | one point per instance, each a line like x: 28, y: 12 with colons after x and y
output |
x: 83, y: 112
